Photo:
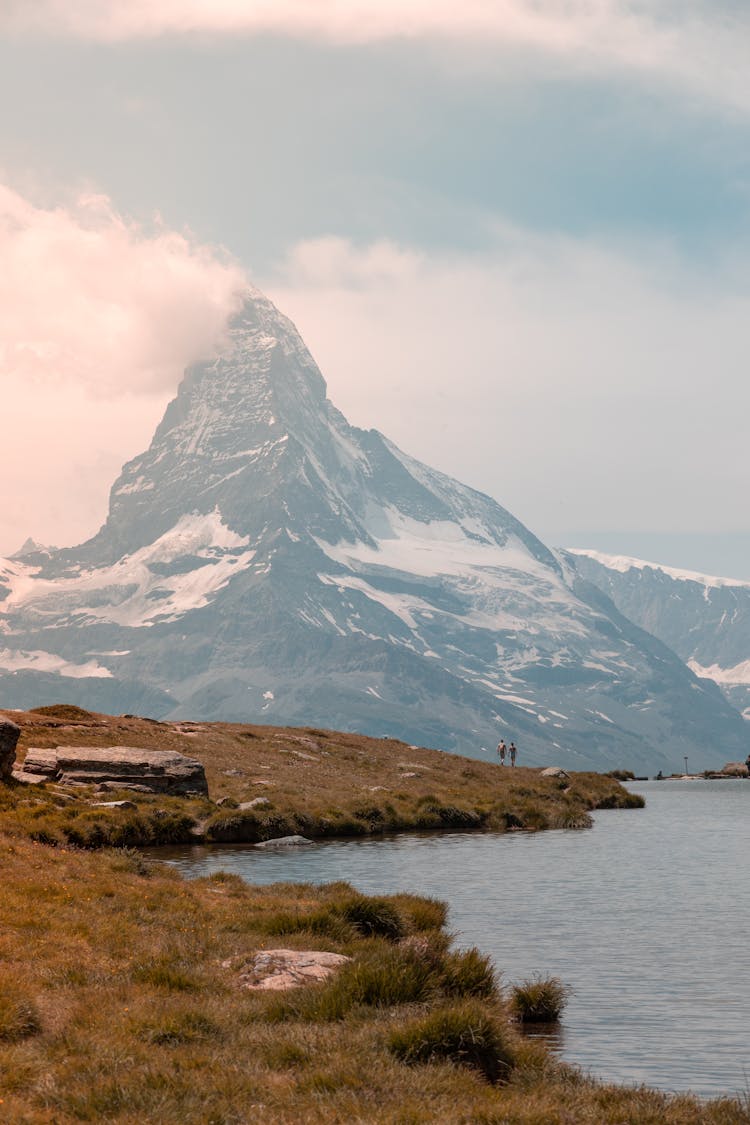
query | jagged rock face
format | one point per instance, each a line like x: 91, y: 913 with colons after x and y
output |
x: 705, y: 620
x: 9, y: 735
x: 265, y: 560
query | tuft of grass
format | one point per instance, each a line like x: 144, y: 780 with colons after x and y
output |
x: 325, y: 922
x: 468, y: 973
x: 167, y: 972
x: 421, y: 914
x: 465, y: 1035
x: 175, y: 1029
x: 374, y: 917
x: 19, y: 1018
x: 385, y: 976
x: 539, y: 999
x: 130, y: 861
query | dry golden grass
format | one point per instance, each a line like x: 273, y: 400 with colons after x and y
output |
x: 318, y: 783
x: 115, y: 1006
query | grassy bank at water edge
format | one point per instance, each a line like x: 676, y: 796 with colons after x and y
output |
x: 122, y: 1000
x: 316, y: 783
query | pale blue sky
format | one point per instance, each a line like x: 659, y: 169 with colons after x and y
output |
x: 588, y: 207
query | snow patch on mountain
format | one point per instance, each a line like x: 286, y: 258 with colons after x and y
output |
x: 17, y: 661
x: 623, y: 563
x: 179, y: 572
x: 739, y: 674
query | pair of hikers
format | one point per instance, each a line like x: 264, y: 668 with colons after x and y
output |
x: 511, y: 750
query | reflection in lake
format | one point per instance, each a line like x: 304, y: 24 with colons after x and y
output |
x: 645, y: 917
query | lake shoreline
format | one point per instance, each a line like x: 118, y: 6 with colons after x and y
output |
x: 130, y: 1000
x: 271, y: 782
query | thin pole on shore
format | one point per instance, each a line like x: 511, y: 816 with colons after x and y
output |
x: 686, y: 769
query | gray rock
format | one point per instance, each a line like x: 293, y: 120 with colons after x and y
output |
x: 227, y: 803
x: 256, y: 803
x: 555, y: 771
x: 114, y: 805
x: 117, y: 767
x: 285, y: 842
x: 9, y: 735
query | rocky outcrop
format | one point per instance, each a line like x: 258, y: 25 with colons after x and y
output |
x: 115, y: 767
x: 9, y: 735
x: 734, y: 769
x: 276, y: 970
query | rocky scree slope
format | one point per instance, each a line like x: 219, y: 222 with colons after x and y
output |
x: 264, y: 560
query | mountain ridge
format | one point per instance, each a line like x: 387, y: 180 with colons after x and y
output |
x: 705, y: 619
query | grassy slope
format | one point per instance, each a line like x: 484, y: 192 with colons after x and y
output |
x: 115, y: 1002
x: 115, y: 1006
x: 318, y: 783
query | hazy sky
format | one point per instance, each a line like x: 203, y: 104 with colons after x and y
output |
x: 514, y: 233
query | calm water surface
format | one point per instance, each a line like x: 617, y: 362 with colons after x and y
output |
x: 646, y: 917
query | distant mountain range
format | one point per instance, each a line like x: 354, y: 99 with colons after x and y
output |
x: 705, y: 620
x: 265, y: 560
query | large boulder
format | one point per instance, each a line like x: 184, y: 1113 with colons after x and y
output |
x: 9, y: 735
x: 115, y: 767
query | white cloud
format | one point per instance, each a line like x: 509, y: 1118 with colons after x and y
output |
x: 98, y: 319
x: 581, y: 384
x: 702, y: 44
x: 88, y: 296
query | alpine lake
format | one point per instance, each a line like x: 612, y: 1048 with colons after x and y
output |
x: 645, y: 918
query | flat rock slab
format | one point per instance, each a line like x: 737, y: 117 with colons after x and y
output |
x: 554, y: 771
x: 276, y: 970
x: 116, y: 767
x: 285, y: 842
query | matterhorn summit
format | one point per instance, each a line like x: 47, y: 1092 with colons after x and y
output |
x: 264, y: 560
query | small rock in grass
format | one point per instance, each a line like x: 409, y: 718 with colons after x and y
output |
x: 115, y: 805
x: 256, y: 803
x: 275, y: 970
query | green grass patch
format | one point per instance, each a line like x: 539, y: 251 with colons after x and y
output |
x: 539, y: 999
x: 465, y: 1035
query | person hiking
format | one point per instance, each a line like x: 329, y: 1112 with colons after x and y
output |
x: 501, y: 751
x: 513, y: 753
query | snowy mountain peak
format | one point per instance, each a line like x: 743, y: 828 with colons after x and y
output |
x: 265, y: 559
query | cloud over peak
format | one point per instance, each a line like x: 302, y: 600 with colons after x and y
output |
x: 89, y: 296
